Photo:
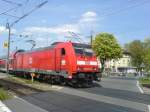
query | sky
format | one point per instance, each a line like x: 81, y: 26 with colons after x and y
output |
x: 127, y: 20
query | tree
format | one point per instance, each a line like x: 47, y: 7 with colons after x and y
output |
x: 136, y: 50
x: 146, y: 58
x: 106, y: 47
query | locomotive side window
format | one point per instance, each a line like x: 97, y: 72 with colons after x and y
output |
x: 63, y: 52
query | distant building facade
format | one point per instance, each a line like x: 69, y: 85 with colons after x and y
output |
x: 122, y: 65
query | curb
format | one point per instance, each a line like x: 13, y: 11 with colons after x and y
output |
x: 4, y: 108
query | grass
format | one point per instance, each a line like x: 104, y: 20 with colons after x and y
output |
x: 4, y: 94
x: 145, y: 80
x: 22, y: 80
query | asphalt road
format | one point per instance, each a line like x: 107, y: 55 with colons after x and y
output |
x: 110, y: 95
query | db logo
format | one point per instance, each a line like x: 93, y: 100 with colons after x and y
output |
x: 87, y: 62
x: 30, y: 60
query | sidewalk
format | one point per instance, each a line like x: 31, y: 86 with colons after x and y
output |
x: 17, y: 104
x: 4, y: 108
x: 20, y: 105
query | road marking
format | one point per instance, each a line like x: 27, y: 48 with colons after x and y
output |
x: 138, y: 85
x: 4, y: 108
x: 148, y: 108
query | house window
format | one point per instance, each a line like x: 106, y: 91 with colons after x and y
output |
x: 123, y: 61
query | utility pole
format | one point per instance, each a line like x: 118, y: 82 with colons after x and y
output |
x: 91, y: 37
x: 8, y: 50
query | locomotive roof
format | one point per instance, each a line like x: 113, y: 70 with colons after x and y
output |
x: 53, y: 45
x: 81, y: 45
x: 39, y: 49
x: 76, y: 44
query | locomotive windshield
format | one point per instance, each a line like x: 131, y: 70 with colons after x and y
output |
x: 83, y: 49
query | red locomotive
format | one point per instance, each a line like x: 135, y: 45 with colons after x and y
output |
x: 64, y: 62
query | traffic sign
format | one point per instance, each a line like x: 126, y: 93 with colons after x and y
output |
x: 5, y: 44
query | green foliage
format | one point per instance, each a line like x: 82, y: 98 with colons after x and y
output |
x: 106, y: 47
x: 145, y: 80
x: 146, y: 57
x: 140, y: 53
x: 3, y: 94
x: 136, y: 50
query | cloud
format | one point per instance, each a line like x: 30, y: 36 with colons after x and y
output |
x: 4, y: 30
x: 82, y: 25
x: 57, y: 29
x: 89, y: 16
x: 61, y: 30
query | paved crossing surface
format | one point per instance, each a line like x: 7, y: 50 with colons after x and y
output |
x: 110, y: 95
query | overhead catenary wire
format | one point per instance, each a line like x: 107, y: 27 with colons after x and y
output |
x: 12, y: 2
x: 125, y: 8
x: 9, y: 10
x: 27, y: 14
x: 6, y: 14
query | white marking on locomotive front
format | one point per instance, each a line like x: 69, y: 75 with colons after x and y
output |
x: 80, y: 62
x: 93, y: 63
x: 63, y: 62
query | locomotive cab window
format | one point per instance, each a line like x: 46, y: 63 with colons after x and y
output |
x: 63, y: 52
x: 83, y: 49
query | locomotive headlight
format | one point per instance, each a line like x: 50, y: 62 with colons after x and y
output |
x: 94, y: 68
x: 79, y: 68
x: 93, y: 63
x: 80, y: 62
x: 70, y: 76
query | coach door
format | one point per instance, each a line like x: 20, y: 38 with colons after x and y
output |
x: 58, y: 59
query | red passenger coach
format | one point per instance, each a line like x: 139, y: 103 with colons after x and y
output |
x: 64, y: 62
x: 3, y: 64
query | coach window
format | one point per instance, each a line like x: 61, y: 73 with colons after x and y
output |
x: 63, y: 52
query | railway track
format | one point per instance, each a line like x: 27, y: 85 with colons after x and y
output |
x: 17, y: 88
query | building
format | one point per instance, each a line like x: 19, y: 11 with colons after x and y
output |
x: 122, y: 65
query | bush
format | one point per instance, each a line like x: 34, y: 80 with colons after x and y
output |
x: 145, y: 80
x: 3, y: 94
x: 148, y: 75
